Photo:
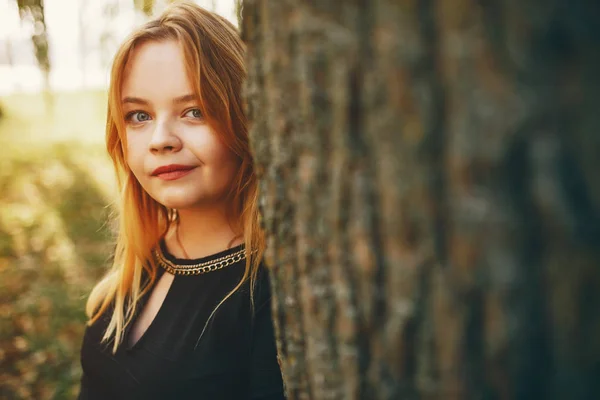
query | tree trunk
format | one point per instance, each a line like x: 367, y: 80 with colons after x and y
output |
x: 33, y: 10
x: 430, y: 193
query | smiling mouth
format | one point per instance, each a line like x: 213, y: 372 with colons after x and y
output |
x: 170, y: 176
x: 172, y: 172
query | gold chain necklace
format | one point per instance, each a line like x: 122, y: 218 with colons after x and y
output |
x: 200, y: 268
x: 195, y: 269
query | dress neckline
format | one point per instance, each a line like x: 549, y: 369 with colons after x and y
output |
x: 171, y: 293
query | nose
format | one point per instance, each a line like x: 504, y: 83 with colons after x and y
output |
x: 164, y: 138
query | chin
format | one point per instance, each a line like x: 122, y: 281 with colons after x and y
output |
x: 175, y: 203
x: 182, y: 201
x: 173, y: 199
x: 184, y: 198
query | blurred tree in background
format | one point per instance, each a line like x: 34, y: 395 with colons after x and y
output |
x: 430, y: 193
x: 146, y: 6
x: 33, y: 10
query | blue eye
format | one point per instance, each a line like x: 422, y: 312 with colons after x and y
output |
x: 194, y: 113
x: 137, y: 116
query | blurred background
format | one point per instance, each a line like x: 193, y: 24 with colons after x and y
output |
x: 56, y: 182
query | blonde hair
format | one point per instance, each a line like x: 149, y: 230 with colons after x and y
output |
x: 214, y: 56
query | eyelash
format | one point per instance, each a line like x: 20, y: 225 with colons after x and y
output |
x: 129, y: 115
x: 194, y: 109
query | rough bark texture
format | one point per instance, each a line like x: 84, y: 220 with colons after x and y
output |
x: 430, y: 192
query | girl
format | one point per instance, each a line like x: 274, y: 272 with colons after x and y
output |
x: 185, y: 310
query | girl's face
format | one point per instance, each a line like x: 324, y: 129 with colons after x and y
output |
x: 177, y: 158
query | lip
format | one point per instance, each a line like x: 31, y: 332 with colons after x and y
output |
x: 172, y: 171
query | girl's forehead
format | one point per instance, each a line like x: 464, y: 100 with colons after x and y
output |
x: 152, y: 50
x: 156, y: 70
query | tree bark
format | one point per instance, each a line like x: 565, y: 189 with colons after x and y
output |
x: 428, y: 185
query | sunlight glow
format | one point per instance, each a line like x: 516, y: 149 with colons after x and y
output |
x: 84, y: 34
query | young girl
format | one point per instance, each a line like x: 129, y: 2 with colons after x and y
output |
x: 185, y: 310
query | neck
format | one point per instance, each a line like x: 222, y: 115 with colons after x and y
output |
x: 202, y: 232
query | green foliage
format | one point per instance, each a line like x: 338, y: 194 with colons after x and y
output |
x: 54, y: 241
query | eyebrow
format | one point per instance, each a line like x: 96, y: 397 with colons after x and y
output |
x: 178, y: 100
x: 185, y: 99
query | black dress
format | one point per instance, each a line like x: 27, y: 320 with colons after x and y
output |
x: 234, y: 359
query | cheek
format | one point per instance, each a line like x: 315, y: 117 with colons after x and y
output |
x: 221, y: 162
x: 211, y: 150
x: 134, y: 158
x: 226, y: 160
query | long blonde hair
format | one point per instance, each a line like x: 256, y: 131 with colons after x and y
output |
x: 214, y: 56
